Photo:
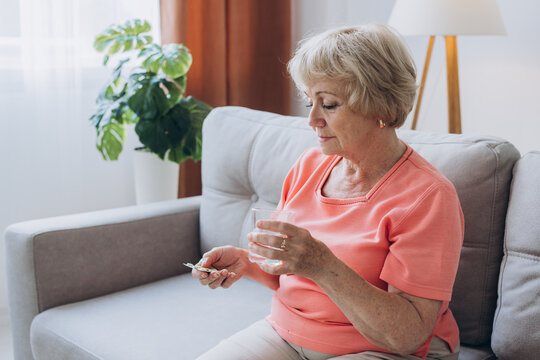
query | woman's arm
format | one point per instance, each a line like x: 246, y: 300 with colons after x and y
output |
x: 392, y: 320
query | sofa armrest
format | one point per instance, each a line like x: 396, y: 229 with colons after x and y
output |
x: 56, y: 261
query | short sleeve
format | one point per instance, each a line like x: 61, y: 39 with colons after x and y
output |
x: 425, y: 245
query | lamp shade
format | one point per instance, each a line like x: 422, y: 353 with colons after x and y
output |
x: 447, y: 17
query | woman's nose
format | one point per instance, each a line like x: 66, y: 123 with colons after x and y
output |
x: 315, y: 119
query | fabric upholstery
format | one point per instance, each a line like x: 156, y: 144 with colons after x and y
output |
x: 516, y: 333
x: 476, y: 353
x: 39, y: 277
x: 246, y: 156
x: 111, y: 257
x: 176, y: 318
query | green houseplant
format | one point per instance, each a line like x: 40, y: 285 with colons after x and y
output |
x: 146, y: 89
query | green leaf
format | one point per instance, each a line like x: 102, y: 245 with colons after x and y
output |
x: 122, y: 38
x: 166, y: 132
x: 174, y: 60
x: 152, y: 137
x: 110, y: 140
x: 108, y: 111
x: 116, y: 81
x: 198, y: 110
x: 111, y: 102
x: 151, y: 95
x: 191, y: 146
x: 128, y: 116
x: 147, y: 98
x: 175, y: 89
x: 177, y: 155
x: 181, y: 82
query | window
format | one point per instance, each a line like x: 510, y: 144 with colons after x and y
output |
x: 50, y: 76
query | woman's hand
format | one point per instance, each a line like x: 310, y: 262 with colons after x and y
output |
x: 301, y: 254
x: 230, y: 262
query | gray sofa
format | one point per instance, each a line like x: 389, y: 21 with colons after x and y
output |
x: 111, y: 284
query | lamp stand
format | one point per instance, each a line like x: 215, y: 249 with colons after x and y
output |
x: 454, y: 112
x: 423, y: 82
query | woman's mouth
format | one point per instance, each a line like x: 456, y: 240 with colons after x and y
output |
x: 323, y: 139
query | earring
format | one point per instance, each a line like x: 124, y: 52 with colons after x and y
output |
x: 382, y: 124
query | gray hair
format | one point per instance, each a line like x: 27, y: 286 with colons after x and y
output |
x: 375, y: 66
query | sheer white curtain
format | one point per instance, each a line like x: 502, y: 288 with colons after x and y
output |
x: 49, y: 78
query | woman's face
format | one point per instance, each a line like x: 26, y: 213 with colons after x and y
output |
x: 340, y: 130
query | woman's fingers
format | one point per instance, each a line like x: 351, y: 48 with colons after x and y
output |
x: 231, y: 279
x: 269, y: 253
x: 299, y: 252
x: 266, y: 239
x: 218, y: 278
x: 199, y: 274
x: 206, y: 261
x: 281, y: 227
x: 211, y: 257
x: 216, y: 283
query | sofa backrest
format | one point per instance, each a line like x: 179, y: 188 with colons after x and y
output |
x: 516, y: 332
x: 247, y: 153
x: 246, y: 156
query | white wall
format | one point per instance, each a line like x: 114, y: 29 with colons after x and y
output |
x: 499, y: 76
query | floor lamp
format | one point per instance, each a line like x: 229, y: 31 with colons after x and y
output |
x: 448, y: 18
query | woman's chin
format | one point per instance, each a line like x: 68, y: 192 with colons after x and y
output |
x: 328, y: 150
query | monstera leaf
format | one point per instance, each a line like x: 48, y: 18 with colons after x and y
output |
x: 174, y: 60
x: 191, y: 146
x: 121, y: 38
x: 166, y: 132
x: 149, y: 95
x: 178, y: 132
x: 110, y: 140
x: 112, y: 102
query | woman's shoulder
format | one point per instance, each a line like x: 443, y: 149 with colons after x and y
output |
x: 424, y: 170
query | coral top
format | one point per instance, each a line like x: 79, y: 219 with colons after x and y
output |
x: 407, y: 232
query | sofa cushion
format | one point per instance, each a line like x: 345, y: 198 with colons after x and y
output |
x: 482, y: 352
x: 516, y: 329
x: 176, y: 318
x: 246, y: 156
x: 247, y: 153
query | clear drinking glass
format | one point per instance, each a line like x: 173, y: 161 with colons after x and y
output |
x: 268, y: 214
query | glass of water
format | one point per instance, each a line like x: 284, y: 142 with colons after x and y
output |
x: 268, y: 214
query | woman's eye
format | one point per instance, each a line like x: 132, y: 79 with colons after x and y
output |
x: 324, y: 106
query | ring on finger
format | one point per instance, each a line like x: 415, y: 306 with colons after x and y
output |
x: 283, y: 244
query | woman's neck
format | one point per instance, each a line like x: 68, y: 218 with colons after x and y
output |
x: 356, y: 177
x: 373, y: 163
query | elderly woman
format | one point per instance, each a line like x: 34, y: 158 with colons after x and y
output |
x: 368, y: 266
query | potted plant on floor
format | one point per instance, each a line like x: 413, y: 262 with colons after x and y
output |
x: 146, y: 90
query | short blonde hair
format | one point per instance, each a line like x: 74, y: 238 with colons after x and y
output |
x: 376, y: 68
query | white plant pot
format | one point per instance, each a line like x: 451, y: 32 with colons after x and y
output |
x: 155, y: 179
